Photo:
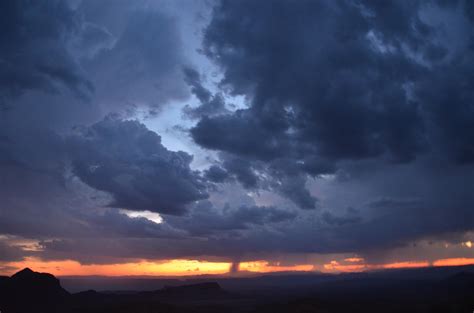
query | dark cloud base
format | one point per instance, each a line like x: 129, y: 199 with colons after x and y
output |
x: 356, y: 134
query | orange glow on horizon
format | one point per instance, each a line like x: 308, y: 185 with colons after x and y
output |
x: 184, y: 267
x: 142, y: 268
x: 335, y: 266
x: 354, y: 260
x: 408, y: 264
x: 454, y: 262
x: 267, y: 267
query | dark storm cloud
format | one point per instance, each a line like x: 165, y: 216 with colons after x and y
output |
x: 209, y: 104
x: 239, y: 133
x: 404, y: 202
x: 294, y: 189
x: 315, y: 80
x: 365, y: 91
x: 66, y: 210
x: 448, y: 97
x: 92, y: 40
x: 423, y: 210
x: 50, y: 47
x: 34, y: 44
x: 332, y: 83
x: 390, y: 203
x: 33, y: 215
x: 336, y: 81
x: 242, y: 170
x: 43, y: 154
x: 351, y: 216
x: 138, y: 63
x: 381, y: 223
x: 127, y: 160
x: 320, y: 89
x: 216, y: 174
x: 207, y: 220
x: 52, y: 44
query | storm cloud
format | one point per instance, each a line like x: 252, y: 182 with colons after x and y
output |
x: 306, y: 127
x: 35, y: 53
x: 127, y: 160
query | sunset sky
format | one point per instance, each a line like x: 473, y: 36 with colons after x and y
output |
x: 180, y: 137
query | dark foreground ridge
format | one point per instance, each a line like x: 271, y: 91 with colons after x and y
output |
x: 29, y: 291
x: 421, y: 290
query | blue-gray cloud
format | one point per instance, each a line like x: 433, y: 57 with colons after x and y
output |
x: 127, y: 160
x: 356, y: 104
x: 35, y: 53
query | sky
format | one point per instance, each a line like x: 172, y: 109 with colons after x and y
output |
x: 223, y: 137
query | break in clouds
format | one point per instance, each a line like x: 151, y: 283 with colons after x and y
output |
x: 308, y: 127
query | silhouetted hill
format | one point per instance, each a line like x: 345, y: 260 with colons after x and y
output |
x: 3, y: 281
x: 36, y: 284
x: 28, y: 291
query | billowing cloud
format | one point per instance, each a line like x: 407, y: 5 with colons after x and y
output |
x: 140, y: 69
x: 352, y: 131
x: 207, y: 220
x: 35, y: 53
x: 209, y: 104
x: 64, y: 65
x: 348, y: 88
x: 127, y: 160
x: 314, y: 102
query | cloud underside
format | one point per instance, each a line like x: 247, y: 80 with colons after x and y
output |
x: 355, y: 135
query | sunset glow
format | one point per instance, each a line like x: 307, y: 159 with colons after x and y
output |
x: 266, y: 267
x: 184, y: 267
x: 335, y: 266
x: 143, y: 268
x: 454, y: 262
x: 409, y: 264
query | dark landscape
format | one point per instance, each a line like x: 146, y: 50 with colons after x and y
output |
x: 443, y: 289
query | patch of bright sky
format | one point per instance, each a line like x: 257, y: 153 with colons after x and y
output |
x: 151, y: 216
x: 192, y: 17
